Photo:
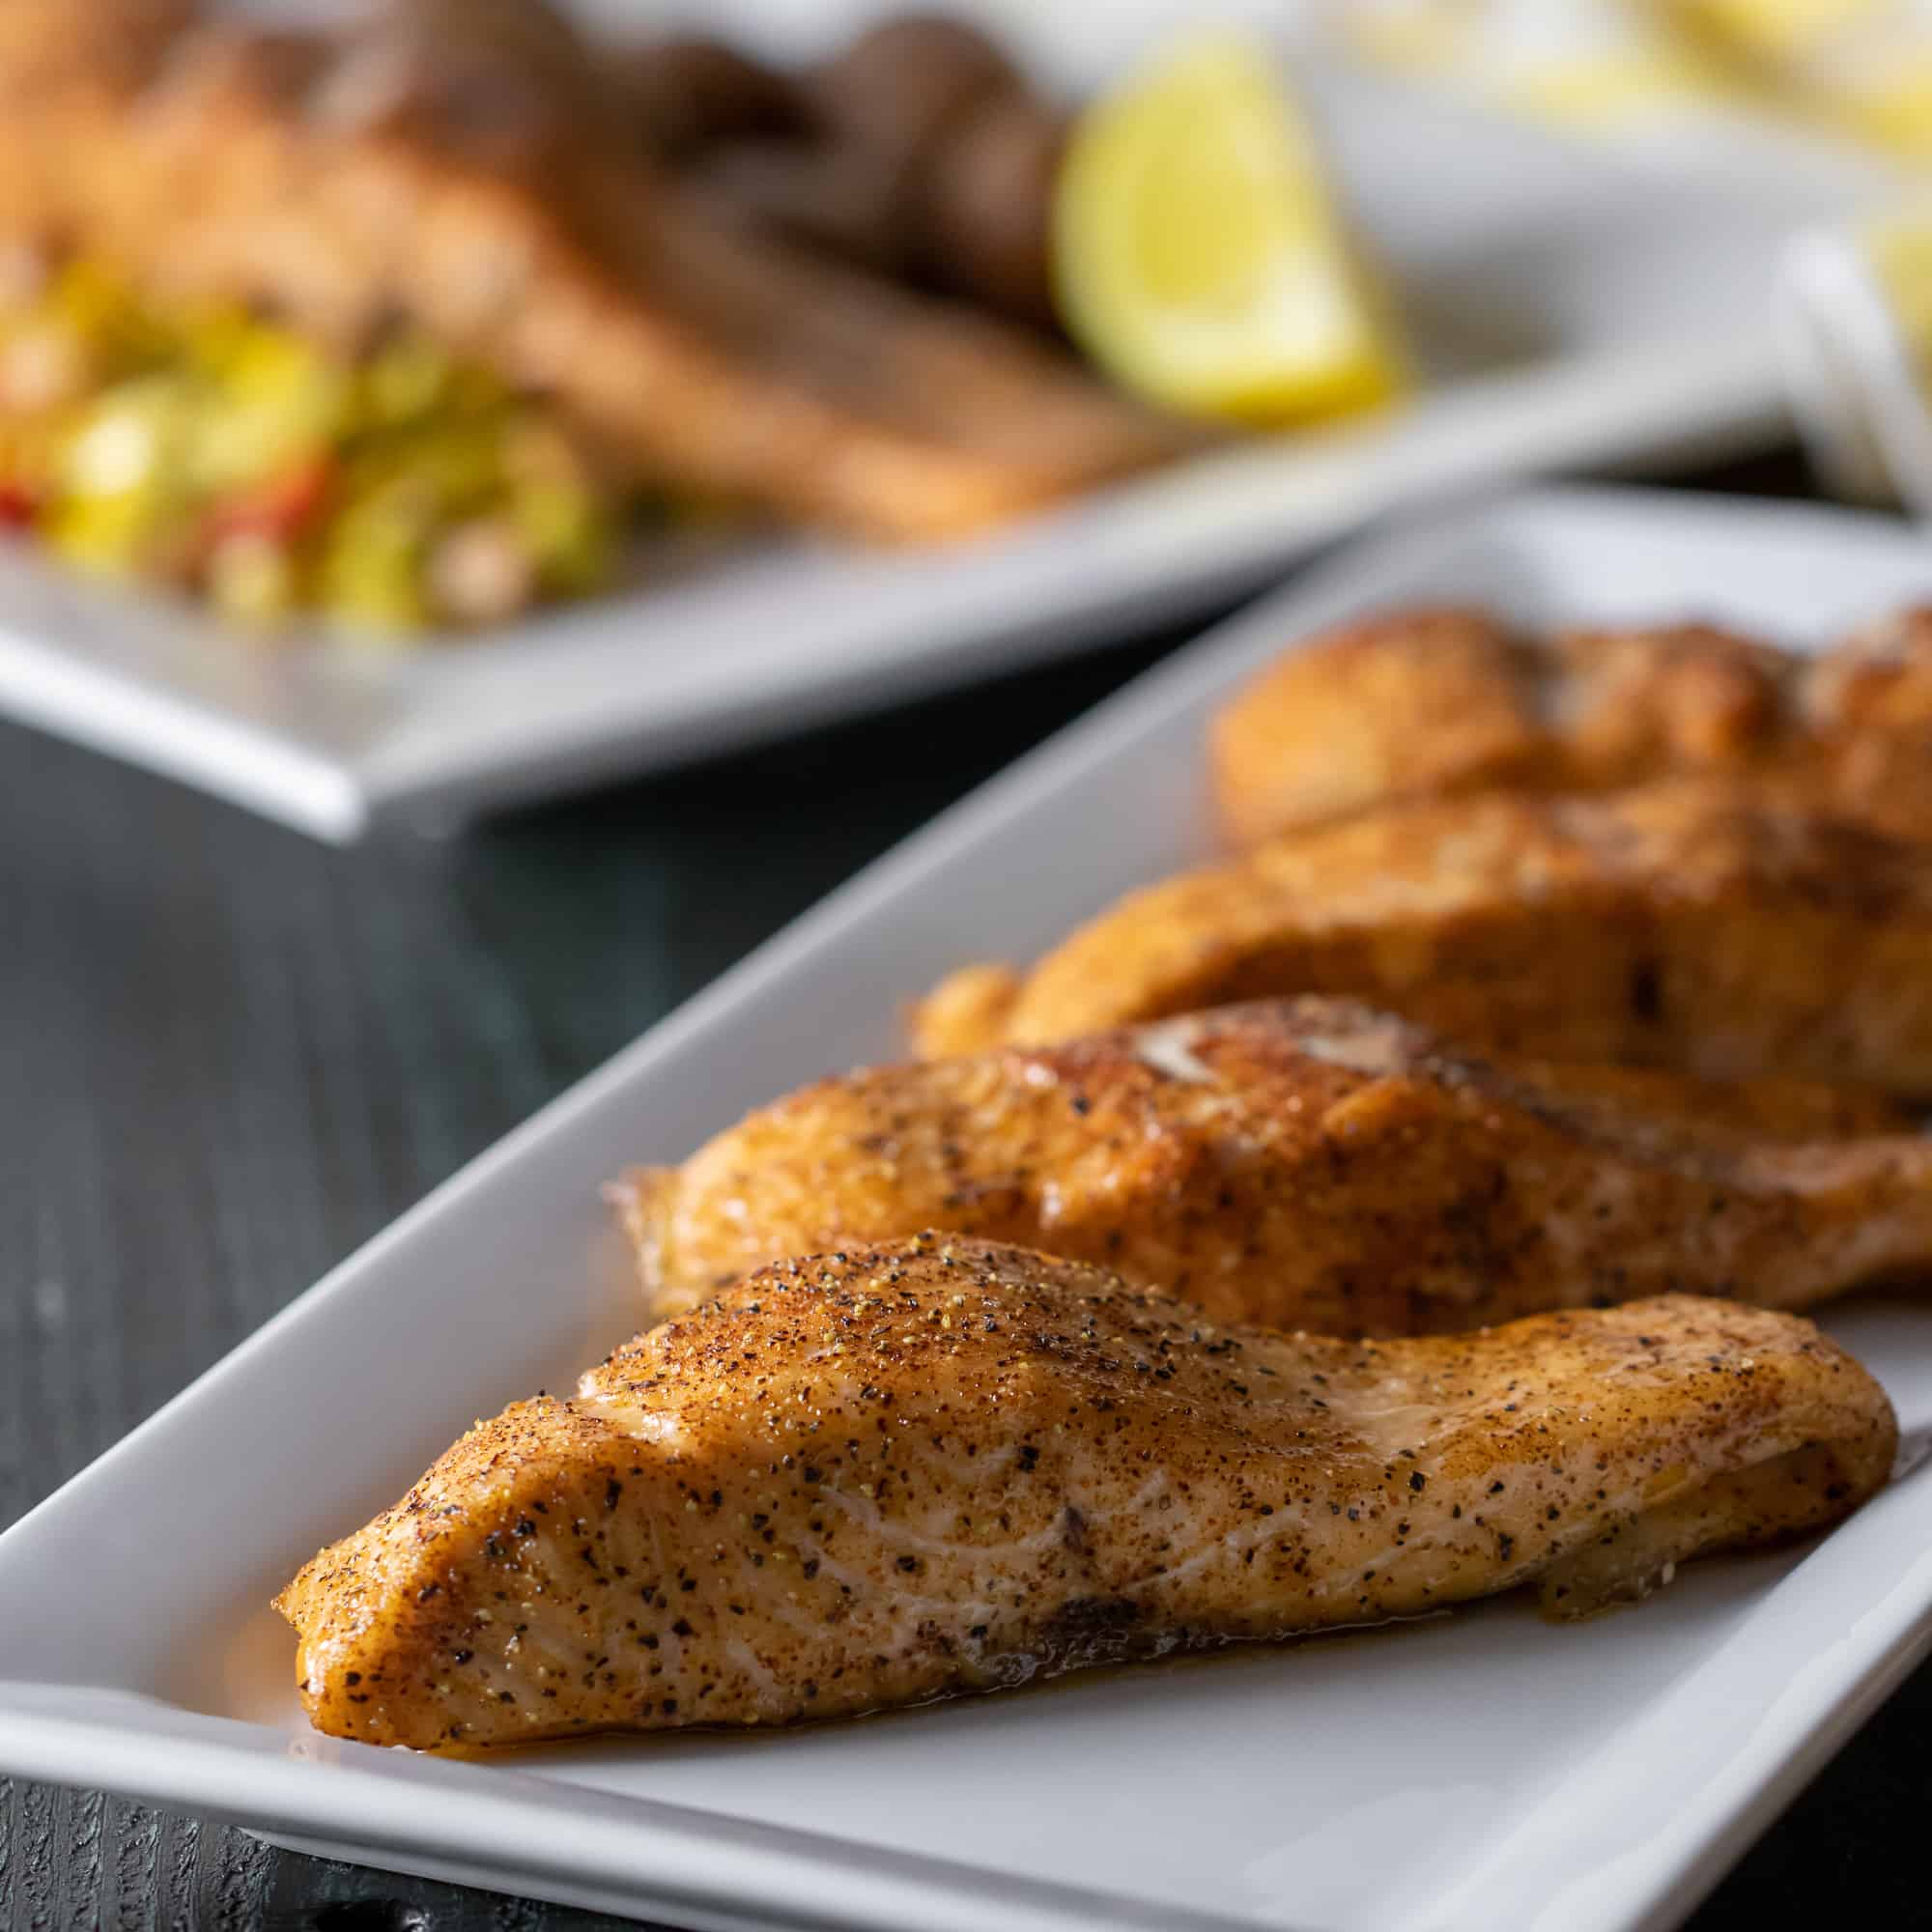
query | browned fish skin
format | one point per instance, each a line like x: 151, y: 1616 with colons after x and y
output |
x: 1311, y: 1164
x: 1437, y: 702
x: 1758, y: 1110
x: 889, y: 1475
x: 467, y: 166
x: 1680, y: 926
x: 105, y: 48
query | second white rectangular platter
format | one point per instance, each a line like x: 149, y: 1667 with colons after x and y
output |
x: 1479, y: 1771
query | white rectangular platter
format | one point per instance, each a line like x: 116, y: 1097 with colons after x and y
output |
x: 1479, y: 1771
x: 1569, y: 313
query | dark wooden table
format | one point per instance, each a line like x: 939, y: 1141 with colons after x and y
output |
x: 228, y: 1055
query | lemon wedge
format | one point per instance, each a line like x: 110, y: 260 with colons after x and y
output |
x: 1196, y: 256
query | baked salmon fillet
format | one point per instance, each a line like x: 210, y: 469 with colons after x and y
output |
x: 468, y: 166
x: 896, y: 1473
x: 1684, y: 926
x: 1312, y: 1164
x: 1437, y: 702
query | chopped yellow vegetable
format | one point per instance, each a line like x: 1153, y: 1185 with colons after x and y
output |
x: 371, y: 575
x: 119, y: 533
x: 199, y: 444
x: 403, y: 380
x: 279, y: 401
x: 1197, y: 254
x: 569, y: 533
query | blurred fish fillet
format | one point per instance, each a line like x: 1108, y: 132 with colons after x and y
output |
x: 1314, y: 1164
x: 1688, y: 925
x: 1438, y: 702
x: 463, y: 164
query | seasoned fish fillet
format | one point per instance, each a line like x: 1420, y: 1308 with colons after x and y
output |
x: 467, y: 166
x: 896, y: 1473
x: 1680, y: 925
x: 103, y: 47
x: 1434, y: 701
x: 1308, y: 1164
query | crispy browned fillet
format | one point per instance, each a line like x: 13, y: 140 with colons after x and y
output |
x: 896, y: 1473
x: 1435, y: 701
x: 108, y: 45
x: 1763, y: 1108
x: 467, y: 165
x: 1313, y: 1164
x: 1686, y: 925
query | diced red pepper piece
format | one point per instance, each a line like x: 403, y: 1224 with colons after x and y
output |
x: 18, y: 505
x: 281, y: 508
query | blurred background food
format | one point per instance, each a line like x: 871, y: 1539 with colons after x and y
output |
x: 1859, y: 69
x: 401, y: 319
x: 198, y: 444
x: 919, y: 152
x: 411, y: 320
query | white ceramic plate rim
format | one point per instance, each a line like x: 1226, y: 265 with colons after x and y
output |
x: 494, y: 1825
x: 910, y: 626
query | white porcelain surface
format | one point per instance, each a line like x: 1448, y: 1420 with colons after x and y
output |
x: 1469, y: 1773
x: 1569, y: 314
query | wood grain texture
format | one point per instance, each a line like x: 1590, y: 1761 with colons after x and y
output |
x: 228, y: 1055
